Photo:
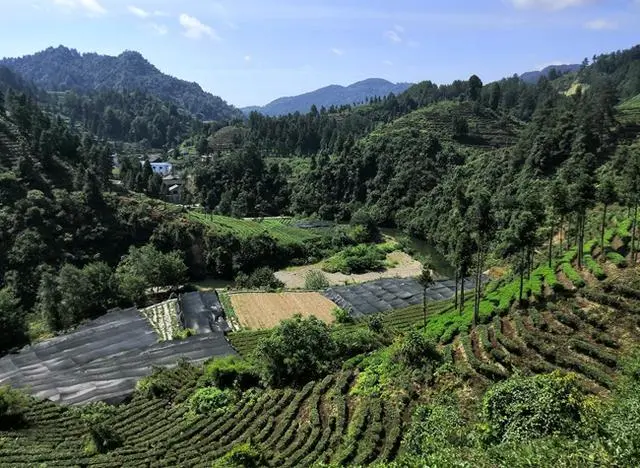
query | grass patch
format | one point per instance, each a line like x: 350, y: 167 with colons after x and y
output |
x: 248, y: 228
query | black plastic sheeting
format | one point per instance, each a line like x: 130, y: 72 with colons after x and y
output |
x: 389, y: 294
x: 102, y: 360
x: 203, y: 312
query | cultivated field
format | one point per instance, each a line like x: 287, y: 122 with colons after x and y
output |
x: 266, y: 310
x: 245, y: 227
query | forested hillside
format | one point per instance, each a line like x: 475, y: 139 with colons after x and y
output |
x: 63, y: 69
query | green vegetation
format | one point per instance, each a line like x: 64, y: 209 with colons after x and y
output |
x: 209, y: 400
x: 358, y: 259
x: 261, y: 278
x: 316, y: 280
x: 247, y: 228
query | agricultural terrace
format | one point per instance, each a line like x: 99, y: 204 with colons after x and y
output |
x: 266, y: 310
x: 277, y: 228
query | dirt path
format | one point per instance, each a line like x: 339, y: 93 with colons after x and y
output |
x: 406, y: 267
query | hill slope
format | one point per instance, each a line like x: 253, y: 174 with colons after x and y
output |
x: 333, y: 95
x: 63, y: 69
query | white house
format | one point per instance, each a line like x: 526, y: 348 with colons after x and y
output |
x: 162, y: 168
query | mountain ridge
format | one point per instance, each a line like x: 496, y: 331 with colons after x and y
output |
x: 65, y: 69
x: 331, y: 95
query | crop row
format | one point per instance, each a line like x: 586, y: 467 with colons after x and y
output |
x: 481, y: 367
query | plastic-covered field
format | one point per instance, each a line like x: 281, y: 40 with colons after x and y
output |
x: 389, y: 294
x: 102, y: 360
x: 203, y: 312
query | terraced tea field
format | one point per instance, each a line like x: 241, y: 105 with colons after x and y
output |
x: 320, y: 422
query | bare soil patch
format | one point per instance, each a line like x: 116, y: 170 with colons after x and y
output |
x: 405, y: 267
x: 266, y: 310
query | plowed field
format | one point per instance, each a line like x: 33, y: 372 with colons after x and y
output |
x: 266, y: 310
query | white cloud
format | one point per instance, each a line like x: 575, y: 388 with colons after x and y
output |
x: 398, y: 28
x: 159, y: 29
x: 92, y: 7
x: 549, y: 4
x: 248, y: 58
x: 393, y: 36
x: 139, y: 12
x: 195, y: 29
x: 337, y: 51
x: 600, y: 25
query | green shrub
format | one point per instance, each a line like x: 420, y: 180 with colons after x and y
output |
x: 184, y: 334
x: 573, y: 275
x: 102, y: 437
x: 296, y: 351
x: 416, y: 350
x: 525, y: 408
x: 353, y: 341
x: 341, y: 315
x: 588, y: 247
x: 358, y: 259
x: 230, y: 372
x: 261, y: 278
x: 617, y: 259
x: 594, y: 267
x: 12, y: 406
x: 209, y: 400
x: 157, y: 385
x: 316, y: 280
x: 242, y: 456
x: 550, y: 279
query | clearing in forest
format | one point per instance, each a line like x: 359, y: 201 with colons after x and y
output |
x: 266, y: 310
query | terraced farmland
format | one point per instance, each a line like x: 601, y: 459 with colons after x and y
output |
x: 319, y: 423
x: 282, y: 232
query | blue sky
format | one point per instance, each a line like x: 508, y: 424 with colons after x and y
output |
x: 253, y: 51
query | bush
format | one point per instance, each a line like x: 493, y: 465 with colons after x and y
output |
x: 341, y: 315
x: 358, y: 259
x: 12, y: 406
x: 209, y: 400
x: 617, y: 259
x: 184, y: 334
x: 102, y: 437
x: 157, y: 385
x: 261, y: 278
x: 594, y: 267
x: 316, y: 280
x: 230, y: 372
x: 573, y: 275
x: 353, y: 341
x: 416, y: 350
x: 296, y: 351
x: 525, y: 408
x: 241, y: 456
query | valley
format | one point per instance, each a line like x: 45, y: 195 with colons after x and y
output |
x: 446, y: 276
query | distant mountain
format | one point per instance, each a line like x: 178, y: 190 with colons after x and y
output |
x: 63, y: 69
x: 333, y: 95
x: 533, y: 76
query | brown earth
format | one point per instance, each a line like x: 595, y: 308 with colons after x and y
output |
x: 405, y: 267
x: 266, y: 310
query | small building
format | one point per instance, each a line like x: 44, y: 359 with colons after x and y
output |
x: 172, y: 188
x: 162, y: 168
